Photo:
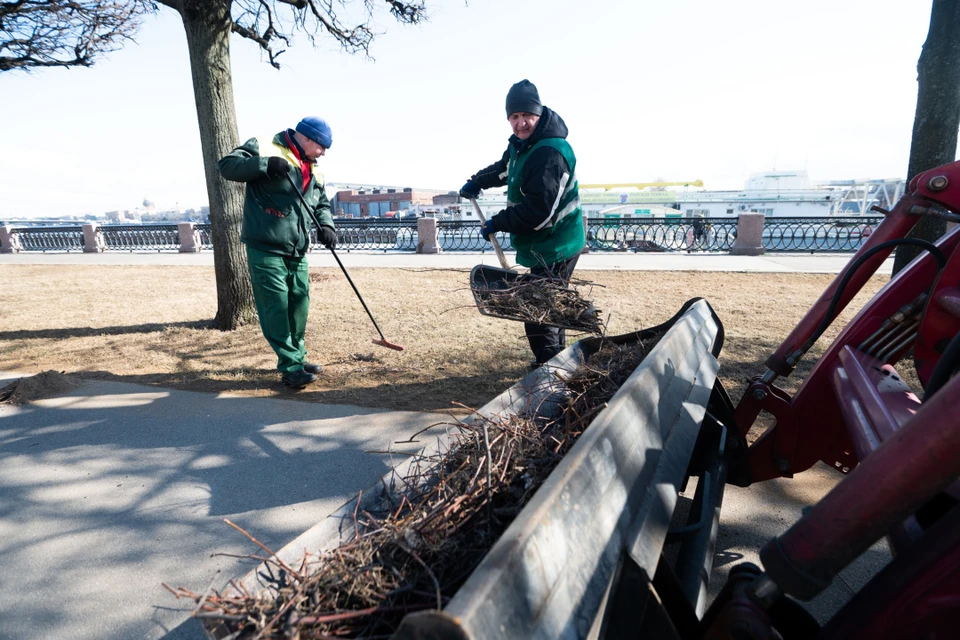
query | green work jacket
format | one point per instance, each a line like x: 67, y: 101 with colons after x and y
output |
x: 275, y: 219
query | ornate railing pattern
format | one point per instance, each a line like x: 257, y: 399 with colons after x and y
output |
x: 814, y: 234
x: 453, y: 235
x: 661, y: 234
x: 603, y: 234
x: 137, y: 237
x: 50, y: 238
x: 206, y: 235
x: 373, y: 235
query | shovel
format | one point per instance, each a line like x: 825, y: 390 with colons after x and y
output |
x: 485, y: 280
x: 382, y: 342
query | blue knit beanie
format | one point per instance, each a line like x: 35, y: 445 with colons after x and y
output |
x: 317, y: 130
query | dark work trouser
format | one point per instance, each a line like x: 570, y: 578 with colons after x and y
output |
x: 546, y: 342
x: 281, y: 289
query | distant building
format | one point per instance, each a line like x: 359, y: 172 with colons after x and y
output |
x: 363, y: 203
x: 450, y: 197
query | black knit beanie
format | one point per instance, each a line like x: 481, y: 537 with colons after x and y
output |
x: 523, y: 96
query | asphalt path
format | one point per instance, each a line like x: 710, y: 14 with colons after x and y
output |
x: 111, y: 489
x: 114, y: 488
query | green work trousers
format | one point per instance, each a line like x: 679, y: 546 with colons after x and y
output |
x: 281, y: 289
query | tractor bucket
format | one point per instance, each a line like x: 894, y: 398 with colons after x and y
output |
x: 587, y: 548
x: 585, y: 551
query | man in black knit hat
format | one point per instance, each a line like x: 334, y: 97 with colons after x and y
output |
x: 543, y: 214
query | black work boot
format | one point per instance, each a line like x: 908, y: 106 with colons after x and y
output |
x: 310, y: 367
x: 297, y: 379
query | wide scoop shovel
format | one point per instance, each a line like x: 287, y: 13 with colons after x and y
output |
x: 484, y: 279
x: 489, y: 283
x: 382, y: 342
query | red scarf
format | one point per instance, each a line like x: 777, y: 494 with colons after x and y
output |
x: 304, y: 166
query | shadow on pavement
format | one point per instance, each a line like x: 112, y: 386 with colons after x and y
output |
x: 113, y: 489
x: 754, y: 515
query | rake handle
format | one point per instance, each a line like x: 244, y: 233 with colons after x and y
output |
x: 355, y: 290
x: 313, y: 216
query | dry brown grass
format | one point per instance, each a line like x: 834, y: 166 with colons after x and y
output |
x: 151, y: 325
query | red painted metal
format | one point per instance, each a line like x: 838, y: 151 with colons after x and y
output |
x: 810, y: 425
x: 855, y: 413
x: 889, y: 485
x: 941, y: 320
x: 873, y: 399
x: 924, y: 185
x: 896, y: 225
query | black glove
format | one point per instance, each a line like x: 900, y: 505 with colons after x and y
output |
x: 469, y: 190
x: 277, y: 167
x: 327, y: 236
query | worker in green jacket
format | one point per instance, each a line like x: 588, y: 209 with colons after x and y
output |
x: 276, y: 232
x: 543, y: 214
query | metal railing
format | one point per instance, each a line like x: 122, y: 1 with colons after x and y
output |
x: 813, y: 234
x: 206, y: 235
x: 50, y: 238
x: 453, y: 235
x: 373, y: 235
x: 603, y: 234
x: 661, y: 234
x: 137, y: 237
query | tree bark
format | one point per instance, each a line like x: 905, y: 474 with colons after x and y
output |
x: 207, y: 25
x: 937, y: 118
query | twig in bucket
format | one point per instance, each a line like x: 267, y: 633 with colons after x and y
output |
x: 540, y: 301
x: 486, y: 448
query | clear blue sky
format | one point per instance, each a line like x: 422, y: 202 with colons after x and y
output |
x: 680, y: 90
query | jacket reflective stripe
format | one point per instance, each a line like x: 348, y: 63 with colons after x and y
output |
x: 561, y: 192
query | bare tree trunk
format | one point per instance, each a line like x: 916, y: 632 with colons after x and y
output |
x: 937, y: 119
x: 207, y: 25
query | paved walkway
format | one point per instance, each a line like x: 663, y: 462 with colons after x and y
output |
x: 769, y: 263
x: 113, y: 488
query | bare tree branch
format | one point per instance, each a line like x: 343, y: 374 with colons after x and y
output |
x: 268, y: 21
x: 65, y: 33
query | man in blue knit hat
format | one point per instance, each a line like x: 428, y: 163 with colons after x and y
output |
x: 276, y: 232
x: 543, y: 215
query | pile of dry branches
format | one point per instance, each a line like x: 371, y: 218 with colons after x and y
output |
x: 595, y: 381
x: 417, y: 549
x: 412, y: 555
x: 540, y: 301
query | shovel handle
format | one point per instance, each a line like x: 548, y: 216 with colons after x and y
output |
x: 493, y: 238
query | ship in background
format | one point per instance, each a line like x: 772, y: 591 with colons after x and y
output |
x: 779, y: 194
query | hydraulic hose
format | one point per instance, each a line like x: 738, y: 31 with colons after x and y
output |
x: 947, y: 366
x: 835, y: 300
